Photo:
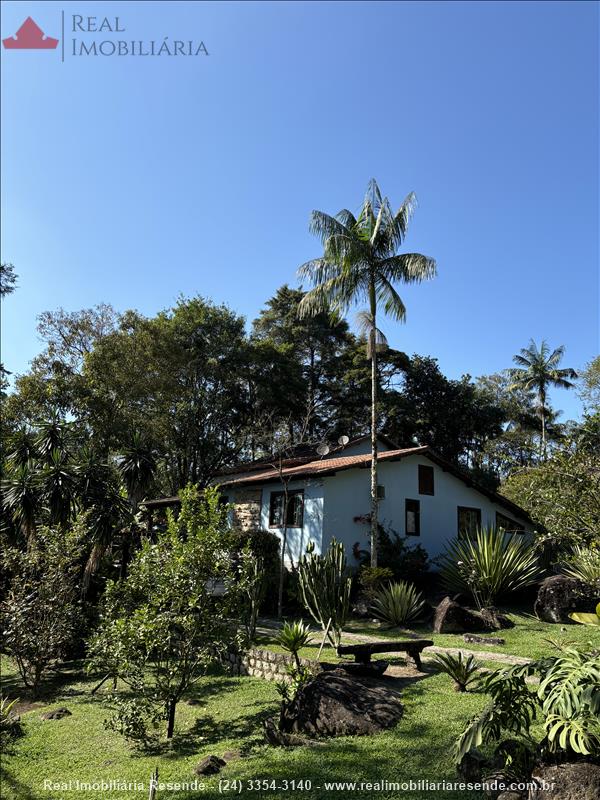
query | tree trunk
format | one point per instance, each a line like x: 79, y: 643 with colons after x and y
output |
x: 283, y: 546
x: 171, y: 717
x: 543, y: 414
x: 374, y: 515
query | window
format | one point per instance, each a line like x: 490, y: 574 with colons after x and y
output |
x: 508, y: 524
x: 469, y: 521
x: 425, y: 479
x: 413, y: 518
x: 295, y: 509
x: 380, y: 492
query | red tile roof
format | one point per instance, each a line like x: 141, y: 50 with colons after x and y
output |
x: 318, y: 467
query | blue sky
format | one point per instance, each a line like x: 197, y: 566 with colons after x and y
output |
x: 131, y: 180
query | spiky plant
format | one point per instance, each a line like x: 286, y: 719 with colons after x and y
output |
x: 293, y: 637
x: 584, y: 565
x: 398, y: 604
x: 489, y: 566
x: 361, y: 263
x: 463, y: 671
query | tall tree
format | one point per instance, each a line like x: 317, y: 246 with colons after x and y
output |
x: 538, y: 369
x: 361, y: 263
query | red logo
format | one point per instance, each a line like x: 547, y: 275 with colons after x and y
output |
x: 30, y: 37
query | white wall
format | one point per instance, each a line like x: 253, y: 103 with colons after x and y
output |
x: 347, y: 495
x: 312, y: 529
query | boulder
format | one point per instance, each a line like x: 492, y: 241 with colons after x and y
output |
x: 57, y: 713
x: 494, y: 620
x: 450, y: 617
x: 210, y: 765
x: 558, y: 595
x: 577, y: 781
x: 472, y: 766
x: 279, y: 738
x: 492, y: 640
x: 338, y: 704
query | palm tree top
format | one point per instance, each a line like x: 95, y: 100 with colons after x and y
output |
x: 537, y: 367
x: 360, y: 253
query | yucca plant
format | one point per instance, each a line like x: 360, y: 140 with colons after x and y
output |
x: 584, y: 565
x: 293, y: 637
x: 463, y: 671
x: 489, y: 566
x: 325, y: 588
x: 10, y: 723
x: 398, y: 604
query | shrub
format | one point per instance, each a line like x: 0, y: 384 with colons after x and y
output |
x: 42, y: 611
x: 490, y: 566
x: 370, y: 579
x: 463, y: 671
x: 326, y: 589
x: 398, y: 604
x: 164, y: 624
x: 584, y: 565
x: 407, y: 560
x: 567, y: 699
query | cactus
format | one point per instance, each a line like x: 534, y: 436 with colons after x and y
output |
x: 326, y: 589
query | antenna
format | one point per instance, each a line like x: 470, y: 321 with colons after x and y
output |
x: 323, y: 449
x: 343, y: 440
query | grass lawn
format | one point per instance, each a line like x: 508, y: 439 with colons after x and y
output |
x: 229, y: 718
x: 529, y: 638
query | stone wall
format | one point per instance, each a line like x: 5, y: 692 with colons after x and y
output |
x: 262, y: 664
x: 246, y: 509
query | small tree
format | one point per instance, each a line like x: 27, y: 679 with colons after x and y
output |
x: 41, y: 614
x: 326, y: 589
x: 164, y: 624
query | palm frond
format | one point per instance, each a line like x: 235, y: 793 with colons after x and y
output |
x: 392, y: 302
x: 376, y: 339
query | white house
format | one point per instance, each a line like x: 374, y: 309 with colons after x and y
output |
x: 421, y: 496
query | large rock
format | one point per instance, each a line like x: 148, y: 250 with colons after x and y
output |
x: 450, y: 617
x: 210, y: 765
x: 494, y: 620
x: 577, y: 781
x: 558, y: 595
x: 337, y: 704
x: 58, y: 713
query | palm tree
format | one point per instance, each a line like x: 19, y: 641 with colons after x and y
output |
x: 537, y: 370
x: 360, y: 263
x: 138, y: 470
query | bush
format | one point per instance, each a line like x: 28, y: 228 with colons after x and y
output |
x: 370, y: 579
x: 490, y: 566
x: 407, y: 560
x: 398, y: 604
x: 165, y: 624
x: 42, y: 612
x: 264, y: 547
x: 567, y: 699
x: 463, y: 671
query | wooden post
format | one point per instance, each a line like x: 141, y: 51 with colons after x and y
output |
x: 153, y: 785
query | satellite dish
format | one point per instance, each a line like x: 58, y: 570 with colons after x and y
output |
x: 323, y: 449
x: 343, y: 440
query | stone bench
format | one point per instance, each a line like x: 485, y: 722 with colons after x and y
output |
x: 362, y: 652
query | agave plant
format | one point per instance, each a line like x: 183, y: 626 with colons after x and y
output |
x: 463, y: 671
x: 584, y: 564
x: 489, y: 566
x: 398, y: 604
x: 293, y: 637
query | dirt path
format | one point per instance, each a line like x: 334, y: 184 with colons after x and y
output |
x: 267, y: 626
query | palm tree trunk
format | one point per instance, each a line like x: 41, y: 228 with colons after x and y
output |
x: 543, y: 415
x: 374, y: 519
